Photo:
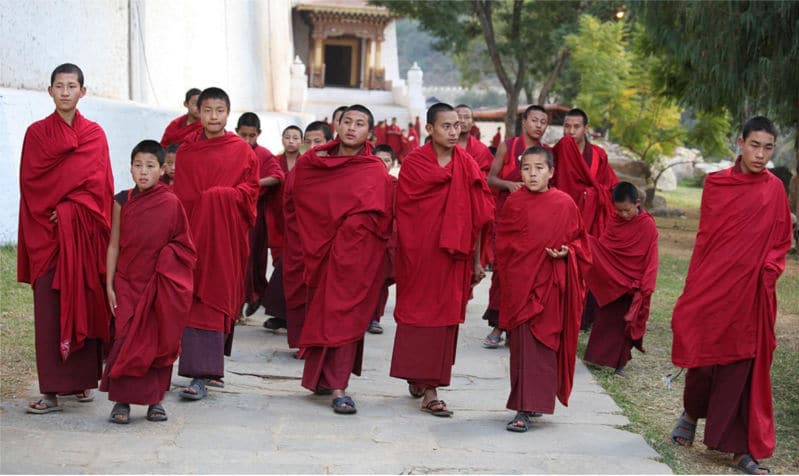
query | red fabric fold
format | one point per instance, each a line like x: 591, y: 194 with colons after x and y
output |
x: 275, y: 223
x: 743, y: 237
x: 590, y: 191
x: 219, y: 192
x: 178, y: 131
x: 67, y: 169
x: 153, y: 282
x: 480, y: 153
x: 343, y: 207
x: 551, y: 297
x: 440, y: 212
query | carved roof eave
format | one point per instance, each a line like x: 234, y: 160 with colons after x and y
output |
x: 329, y: 22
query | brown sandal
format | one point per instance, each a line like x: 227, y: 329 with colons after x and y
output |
x: 441, y: 411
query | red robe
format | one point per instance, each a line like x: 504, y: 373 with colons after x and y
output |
x: 480, y: 153
x: 394, y: 138
x: 728, y: 308
x: 219, y: 190
x: 153, y: 281
x: 67, y: 169
x: 380, y: 135
x: 294, y: 289
x: 440, y: 212
x: 275, y: 223
x: 343, y: 207
x: 625, y: 261
x: 496, y: 140
x: 589, y: 187
x: 413, y: 141
x: 530, y: 222
x: 475, y: 132
x: 178, y: 132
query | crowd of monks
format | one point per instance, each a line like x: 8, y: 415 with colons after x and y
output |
x: 163, y: 271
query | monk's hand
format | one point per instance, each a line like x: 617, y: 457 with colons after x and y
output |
x: 558, y: 254
x: 478, y: 273
x: 54, y: 217
x: 513, y: 186
x: 112, y: 300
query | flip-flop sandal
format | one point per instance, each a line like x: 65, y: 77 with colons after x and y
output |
x: 684, y: 430
x: 749, y: 465
x: 214, y: 382
x: 619, y: 372
x: 156, y: 413
x: 199, y: 388
x: 521, y: 417
x: 49, y: 407
x: 415, y: 391
x: 441, y: 412
x: 120, y: 410
x: 85, y: 397
x: 344, y: 405
x: 492, y: 342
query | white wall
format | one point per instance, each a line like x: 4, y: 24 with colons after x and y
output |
x: 388, y: 52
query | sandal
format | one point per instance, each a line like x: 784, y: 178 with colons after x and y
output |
x: 85, y: 396
x: 344, y: 405
x: 521, y: 417
x: 49, y: 406
x: 492, y: 341
x: 684, y: 430
x: 749, y: 465
x: 199, y: 393
x: 619, y: 372
x: 156, y: 413
x: 375, y: 328
x: 415, y: 391
x: 214, y: 382
x: 120, y: 414
x: 441, y: 411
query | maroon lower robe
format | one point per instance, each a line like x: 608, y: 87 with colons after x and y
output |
x: 720, y: 394
x: 202, y: 351
x: 533, y: 374
x: 274, y: 300
x: 424, y: 356
x: 608, y: 344
x: 83, y: 368
x: 329, y: 368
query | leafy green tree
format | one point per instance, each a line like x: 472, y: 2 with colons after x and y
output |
x: 710, y: 134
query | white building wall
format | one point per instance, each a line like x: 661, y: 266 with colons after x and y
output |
x: 388, y: 52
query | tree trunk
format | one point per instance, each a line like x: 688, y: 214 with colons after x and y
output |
x: 511, y: 112
x: 546, y: 88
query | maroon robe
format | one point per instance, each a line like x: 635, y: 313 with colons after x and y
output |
x: 179, y: 131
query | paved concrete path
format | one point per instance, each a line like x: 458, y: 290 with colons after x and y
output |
x: 264, y: 422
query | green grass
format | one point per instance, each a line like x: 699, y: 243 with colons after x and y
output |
x: 683, y: 197
x: 17, y: 358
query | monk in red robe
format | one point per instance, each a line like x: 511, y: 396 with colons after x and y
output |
x: 219, y: 190
x: 496, y: 139
x: 540, y: 229
x: 381, y: 137
x: 622, y: 278
x: 394, y: 136
x: 723, y: 322
x: 168, y: 177
x: 270, y: 176
x: 150, y: 265
x: 442, y: 204
x: 66, y: 188
x: 342, y: 197
x: 186, y: 126
x: 505, y: 177
x: 413, y: 140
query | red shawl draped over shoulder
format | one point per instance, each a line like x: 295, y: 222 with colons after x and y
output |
x: 178, y: 132
x: 440, y: 212
x: 590, y: 188
x: 728, y: 308
x: 625, y: 261
x: 218, y: 186
x: 533, y: 283
x: 480, y: 153
x: 67, y: 169
x: 153, y: 281
x: 343, y: 207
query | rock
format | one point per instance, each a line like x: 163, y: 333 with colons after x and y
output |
x: 667, y: 212
x: 658, y: 202
x: 668, y: 180
x: 685, y: 156
x: 633, y: 171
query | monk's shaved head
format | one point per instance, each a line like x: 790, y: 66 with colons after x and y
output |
x: 435, y: 109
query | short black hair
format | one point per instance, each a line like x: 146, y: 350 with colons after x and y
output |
x: 363, y: 109
x: 290, y: 128
x: 149, y: 147
x: 385, y: 148
x: 67, y: 68
x: 534, y: 107
x: 576, y: 112
x: 625, y: 192
x: 437, y: 108
x: 249, y: 119
x: 213, y: 93
x: 172, y: 148
x: 320, y: 126
x: 191, y: 92
x: 758, y: 123
x: 463, y: 105
x: 538, y: 150
x: 339, y: 109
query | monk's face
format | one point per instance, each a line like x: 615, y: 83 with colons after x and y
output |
x: 249, y: 134
x: 213, y: 115
x: 446, y: 129
x: 145, y: 170
x: 353, y: 130
x: 386, y: 158
x: 573, y: 127
x: 756, y: 151
x: 291, y: 141
x: 627, y: 210
x: 192, y: 110
x: 169, y: 165
x: 467, y: 121
x: 536, y: 172
x: 314, y: 138
x: 66, y: 91
x: 535, y: 124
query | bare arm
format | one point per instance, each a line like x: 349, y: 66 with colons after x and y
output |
x: 269, y: 182
x: 111, y: 258
x: 496, y: 167
x: 478, y: 273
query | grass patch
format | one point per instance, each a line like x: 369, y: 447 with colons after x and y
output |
x: 684, y: 197
x: 17, y: 354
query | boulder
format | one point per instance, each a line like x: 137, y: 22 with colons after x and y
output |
x: 668, y: 180
x: 633, y: 171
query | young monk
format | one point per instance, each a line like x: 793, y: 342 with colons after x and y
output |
x: 505, y: 177
x: 336, y: 119
x: 288, y: 306
x: 270, y: 176
x: 622, y: 278
x: 185, y: 127
x: 150, y: 265
x: 66, y: 188
x: 472, y: 144
x: 442, y: 204
x: 168, y: 177
x: 540, y: 229
x: 219, y: 190
x: 342, y: 197
x: 723, y: 322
